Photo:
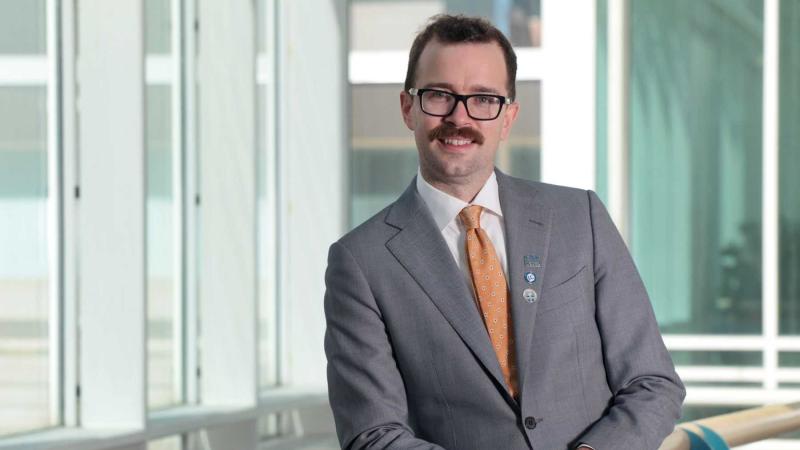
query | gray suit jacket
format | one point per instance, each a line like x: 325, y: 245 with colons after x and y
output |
x: 410, y: 364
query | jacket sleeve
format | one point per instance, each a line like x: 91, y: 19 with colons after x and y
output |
x: 647, y: 393
x: 365, y: 387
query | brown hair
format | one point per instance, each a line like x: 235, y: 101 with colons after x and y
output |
x: 449, y: 29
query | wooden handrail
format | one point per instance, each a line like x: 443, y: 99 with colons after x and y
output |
x: 740, y: 427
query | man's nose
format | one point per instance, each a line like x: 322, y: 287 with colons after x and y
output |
x: 459, y: 116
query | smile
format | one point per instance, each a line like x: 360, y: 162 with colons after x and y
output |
x: 457, y: 141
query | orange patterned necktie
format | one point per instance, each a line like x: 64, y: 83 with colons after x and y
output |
x: 492, y: 292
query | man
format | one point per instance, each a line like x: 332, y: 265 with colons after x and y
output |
x: 481, y: 311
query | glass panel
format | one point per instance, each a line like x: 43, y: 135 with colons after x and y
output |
x: 789, y: 359
x: 161, y: 281
x: 789, y: 168
x: 695, y: 164
x: 158, y: 26
x: 385, y: 157
x: 392, y: 24
x: 164, y: 263
x: 25, y: 353
x: 716, y: 358
x: 696, y: 412
x: 23, y: 27
x: 167, y: 443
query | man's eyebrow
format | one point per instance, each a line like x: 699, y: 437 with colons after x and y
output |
x: 473, y: 89
x: 447, y: 86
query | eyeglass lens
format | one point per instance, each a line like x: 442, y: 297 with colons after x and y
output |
x: 478, y: 107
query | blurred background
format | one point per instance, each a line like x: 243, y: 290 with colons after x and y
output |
x: 173, y: 171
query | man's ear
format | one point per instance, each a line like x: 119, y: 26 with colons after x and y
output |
x: 406, y: 105
x: 508, y: 120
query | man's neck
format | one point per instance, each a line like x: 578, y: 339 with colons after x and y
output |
x: 465, y: 189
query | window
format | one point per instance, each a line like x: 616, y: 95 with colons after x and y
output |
x: 164, y: 205
x: 29, y: 220
x: 392, y: 24
x: 789, y: 183
x: 695, y: 166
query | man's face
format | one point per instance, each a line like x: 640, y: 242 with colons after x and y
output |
x: 466, y: 155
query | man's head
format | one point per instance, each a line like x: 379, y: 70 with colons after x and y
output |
x: 459, y: 29
x: 458, y: 137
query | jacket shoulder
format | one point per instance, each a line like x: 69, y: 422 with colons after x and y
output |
x: 554, y: 196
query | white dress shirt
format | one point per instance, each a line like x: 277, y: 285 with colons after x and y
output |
x: 445, y: 209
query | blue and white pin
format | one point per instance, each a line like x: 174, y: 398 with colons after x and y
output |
x: 530, y: 277
x: 532, y: 261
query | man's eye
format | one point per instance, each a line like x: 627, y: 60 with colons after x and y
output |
x: 487, y: 100
x: 436, y: 94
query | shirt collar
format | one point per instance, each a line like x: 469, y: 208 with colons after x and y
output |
x: 445, y: 208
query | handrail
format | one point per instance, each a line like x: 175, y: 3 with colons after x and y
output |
x: 740, y: 427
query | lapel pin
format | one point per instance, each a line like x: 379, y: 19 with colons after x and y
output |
x: 530, y: 295
x: 530, y: 277
x: 532, y: 261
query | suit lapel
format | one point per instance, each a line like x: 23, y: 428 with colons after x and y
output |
x: 422, y: 251
x: 527, y: 226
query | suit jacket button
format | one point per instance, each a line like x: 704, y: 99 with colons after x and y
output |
x: 530, y: 422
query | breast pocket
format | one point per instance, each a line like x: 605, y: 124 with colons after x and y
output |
x: 563, y: 293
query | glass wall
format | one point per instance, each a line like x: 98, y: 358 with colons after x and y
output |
x: 696, y: 93
x: 164, y: 259
x: 789, y: 141
x: 392, y: 24
x: 27, y: 358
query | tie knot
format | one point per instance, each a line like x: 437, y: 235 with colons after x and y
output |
x: 471, y: 216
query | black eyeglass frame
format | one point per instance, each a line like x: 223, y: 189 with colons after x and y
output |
x: 459, y: 98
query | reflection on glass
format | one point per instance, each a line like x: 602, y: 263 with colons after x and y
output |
x: 695, y: 412
x: 716, y: 358
x: 695, y: 162
x: 158, y: 26
x: 24, y: 271
x: 160, y: 249
x: 23, y: 27
x: 385, y: 157
x: 392, y: 24
x: 163, y: 274
x: 789, y: 142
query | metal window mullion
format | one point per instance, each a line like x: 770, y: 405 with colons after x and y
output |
x: 112, y: 220
x: 190, y: 205
x: 54, y: 216
x: 178, y: 201
x: 69, y: 183
x: 770, y: 205
x: 267, y: 207
x: 27, y: 70
x: 282, y: 58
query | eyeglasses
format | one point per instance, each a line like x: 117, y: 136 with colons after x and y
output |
x: 442, y: 103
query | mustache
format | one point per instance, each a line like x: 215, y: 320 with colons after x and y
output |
x: 447, y: 130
